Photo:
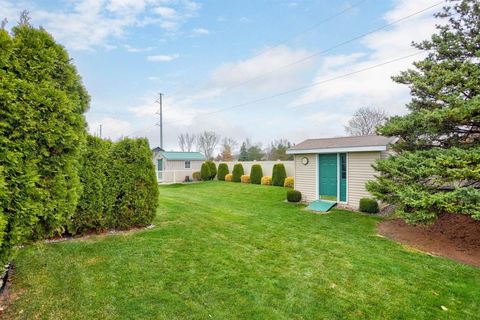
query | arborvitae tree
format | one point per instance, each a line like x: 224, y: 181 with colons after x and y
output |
x: 243, y: 156
x: 132, y: 184
x: 256, y: 174
x: 437, y: 166
x: 42, y: 128
x: 237, y: 172
x: 205, y: 171
x: 213, y: 169
x: 92, y: 211
x: 222, y: 171
x: 278, y: 174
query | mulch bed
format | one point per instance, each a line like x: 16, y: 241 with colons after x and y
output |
x: 455, y: 236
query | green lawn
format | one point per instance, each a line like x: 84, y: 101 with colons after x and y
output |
x: 229, y: 250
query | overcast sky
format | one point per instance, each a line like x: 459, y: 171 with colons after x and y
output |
x: 229, y: 66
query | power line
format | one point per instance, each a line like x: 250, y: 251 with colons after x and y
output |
x: 331, y: 48
x: 303, y: 87
x: 295, y: 35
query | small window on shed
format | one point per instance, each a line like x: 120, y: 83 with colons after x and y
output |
x: 187, y: 164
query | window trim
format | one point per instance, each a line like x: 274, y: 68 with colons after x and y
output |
x: 189, y: 164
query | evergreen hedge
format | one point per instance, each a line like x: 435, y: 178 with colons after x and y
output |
x: 52, y: 177
x: 213, y: 169
x: 92, y: 209
x: 132, y: 192
x: 278, y: 174
x: 205, y: 171
x: 256, y: 174
x: 222, y: 171
x: 42, y: 129
x: 237, y: 172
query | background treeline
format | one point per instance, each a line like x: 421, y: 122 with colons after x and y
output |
x: 54, y: 179
x: 208, y: 142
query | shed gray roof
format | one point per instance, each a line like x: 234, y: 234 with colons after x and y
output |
x: 353, y: 143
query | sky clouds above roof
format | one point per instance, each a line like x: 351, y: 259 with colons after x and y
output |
x: 207, y: 57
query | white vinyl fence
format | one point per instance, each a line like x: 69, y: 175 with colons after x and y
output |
x: 267, y: 166
x: 176, y: 176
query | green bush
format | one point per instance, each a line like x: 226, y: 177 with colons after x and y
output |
x: 213, y: 169
x: 294, y: 196
x: 91, y: 213
x: 132, y: 184
x: 278, y: 175
x: 256, y: 174
x: 197, y: 176
x: 42, y: 129
x: 222, y: 171
x: 368, y: 205
x: 237, y: 172
x: 205, y: 171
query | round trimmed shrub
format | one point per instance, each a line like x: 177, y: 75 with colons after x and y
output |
x: 278, y: 174
x: 289, y: 182
x: 222, y: 171
x: 368, y: 205
x: 294, y: 196
x: 256, y: 174
x: 229, y: 177
x: 213, y: 169
x: 205, y: 171
x: 245, y: 178
x: 132, y: 184
x: 237, y: 172
x: 197, y: 176
x: 266, y: 181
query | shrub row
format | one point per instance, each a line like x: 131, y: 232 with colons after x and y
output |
x: 53, y: 178
x: 279, y: 176
x: 120, y: 188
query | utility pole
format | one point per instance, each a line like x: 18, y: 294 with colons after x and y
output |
x: 100, y: 130
x: 160, y: 122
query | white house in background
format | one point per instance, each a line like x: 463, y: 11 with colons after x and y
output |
x: 335, y: 170
x: 175, y: 166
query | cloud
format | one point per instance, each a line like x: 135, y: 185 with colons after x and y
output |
x: 267, y: 68
x: 163, y: 57
x: 200, y: 31
x: 166, y: 12
x: 132, y: 49
x: 375, y: 87
x: 88, y: 24
x: 111, y: 128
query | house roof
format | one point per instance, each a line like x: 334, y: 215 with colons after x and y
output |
x: 180, y: 155
x: 343, y: 144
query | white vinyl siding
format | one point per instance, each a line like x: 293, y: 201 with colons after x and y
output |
x: 359, y: 172
x: 306, y: 177
x: 180, y: 165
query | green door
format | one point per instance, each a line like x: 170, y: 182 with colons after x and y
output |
x: 343, y: 177
x: 327, y: 175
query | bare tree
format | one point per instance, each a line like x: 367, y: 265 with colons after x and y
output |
x: 365, y: 121
x: 3, y: 24
x: 186, y: 141
x: 228, y: 144
x: 24, y: 18
x: 206, y: 143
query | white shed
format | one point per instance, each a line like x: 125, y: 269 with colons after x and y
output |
x: 175, y: 166
x: 336, y: 169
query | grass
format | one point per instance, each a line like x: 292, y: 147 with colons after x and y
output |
x: 228, y: 250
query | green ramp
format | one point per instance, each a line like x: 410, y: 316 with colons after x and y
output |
x: 321, y: 205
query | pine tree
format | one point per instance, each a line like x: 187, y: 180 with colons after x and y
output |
x: 437, y: 168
